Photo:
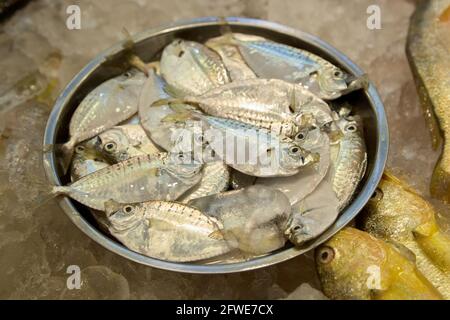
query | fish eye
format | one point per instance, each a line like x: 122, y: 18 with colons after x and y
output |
x: 338, y: 74
x: 127, y: 74
x: 199, y: 138
x: 79, y: 149
x: 110, y: 147
x: 300, y: 136
x: 128, y: 209
x: 325, y: 255
x: 294, y: 150
x: 377, y: 195
x: 296, y: 228
x: 350, y: 128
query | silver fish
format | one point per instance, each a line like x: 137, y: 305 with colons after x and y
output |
x: 351, y: 162
x: 107, y: 105
x: 298, y: 186
x: 190, y: 68
x: 123, y: 142
x: 255, y: 151
x: 270, y: 59
x: 167, y: 231
x: 267, y: 103
x: 86, y: 160
x: 137, y: 179
x: 215, y: 179
x: 314, y: 214
x: 252, y: 219
x: 232, y: 58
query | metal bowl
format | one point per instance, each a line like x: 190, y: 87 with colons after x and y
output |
x: 108, y: 64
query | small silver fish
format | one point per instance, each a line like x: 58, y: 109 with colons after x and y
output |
x: 232, y: 58
x: 270, y: 59
x: 107, y: 105
x: 351, y: 162
x: 137, y: 179
x: 266, y: 103
x: 255, y: 151
x: 86, y: 160
x: 168, y: 231
x: 123, y: 142
x: 190, y: 68
x: 252, y: 219
x: 215, y: 179
x: 314, y: 214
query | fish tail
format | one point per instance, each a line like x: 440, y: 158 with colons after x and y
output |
x: 48, y: 193
x: 182, y: 113
x: 137, y: 62
x: 129, y: 45
x: 66, y: 151
x: 226, y: 31
x: 440, y: 182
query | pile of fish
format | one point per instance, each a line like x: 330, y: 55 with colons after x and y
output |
x: 228, y: 147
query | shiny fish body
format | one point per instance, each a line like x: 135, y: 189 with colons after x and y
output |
x: 350, y: 165
x: 271, y: 104
x: 273, y: 60
x: 215, y: 179
x: 123, y: 142
x: 86, y: 160
x: 253, y: 219
x: 355, y: 265
x: 398, y: 214
x: 232, y: 58
x: 137, y: 179
x: 259, y: 153
x: 428, y: 51
x: 167, y: 231
x: 106, y: 106
x: 191, y: 68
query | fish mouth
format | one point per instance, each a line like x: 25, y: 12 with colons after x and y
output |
x: 356, y: 82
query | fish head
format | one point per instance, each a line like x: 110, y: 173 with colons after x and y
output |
x: 87, y: 151
x: 293, y: 157
x: 351, y: 265
x: 184, y: 167
x: 296, y: 231
x: 350, y: 125
x: 396, y: 212
x: 175, y: 52
x: 113, y: 144
x: 332, y: 81
x: 124, y: 217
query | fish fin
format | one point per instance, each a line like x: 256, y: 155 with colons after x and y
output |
x: 177, y: 117
x: 48, y: 193
x: 226, y: 31
x: 66, y: 150
x: 164, y: 102
x: 129, y: 45
x: 112, y: 206
x: 155, y: 65
x: 216, y: 235
x: 137, y: 62
x: 358, y: 82
x: 404, y: 251
x: 440, y: 182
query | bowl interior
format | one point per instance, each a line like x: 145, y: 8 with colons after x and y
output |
x: 148, y: 47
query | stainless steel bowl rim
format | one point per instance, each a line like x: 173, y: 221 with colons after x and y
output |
x: 346, y: 216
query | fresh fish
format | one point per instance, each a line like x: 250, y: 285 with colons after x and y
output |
x: 86, y: 160
x: 298, y: 186
x: 398, y: 214
x: 428, y: 51
x: 167, y: 231
x: 107, y: 105
x: 232, y: 58
x: 271, y: 104
x: 350, y: 165
x: 274, y: 60
x: 137, y: 179
x: 123, y: 142
x: 240, y: 180
x: 313, y: 215
x: 356, y: 265
x: 215, y: 179
x: 255, y: 151
x: 165, y: 135
x: 252, y: 219
x: 191, y: 68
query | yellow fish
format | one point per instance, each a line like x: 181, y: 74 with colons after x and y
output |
x: 355, y: 265
x: 397, y: 213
